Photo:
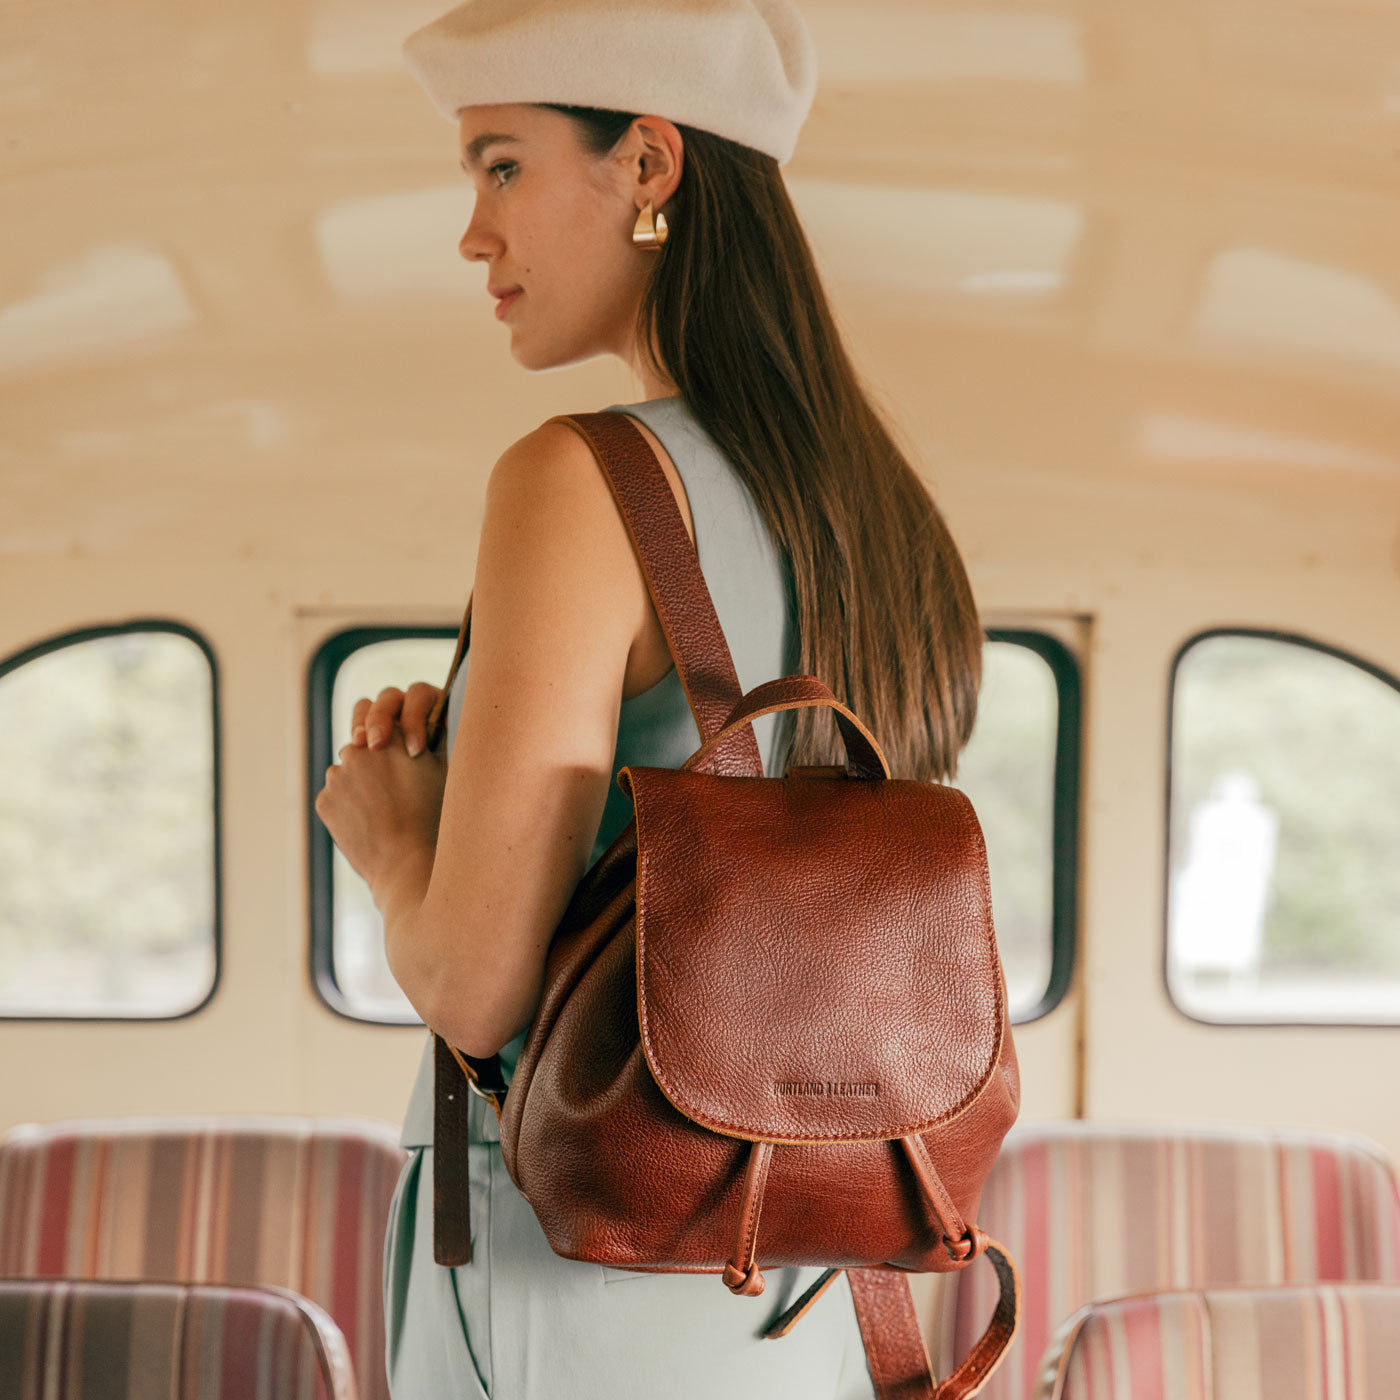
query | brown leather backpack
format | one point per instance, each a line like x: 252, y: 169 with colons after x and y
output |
x: 776, y: 995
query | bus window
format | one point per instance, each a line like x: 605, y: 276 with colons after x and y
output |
x: 109, y: 825
x: 348, y: 965
x: 1283, y: 887
x: 1019, y: 769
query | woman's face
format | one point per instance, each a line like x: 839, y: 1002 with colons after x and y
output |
x: 557, y: 223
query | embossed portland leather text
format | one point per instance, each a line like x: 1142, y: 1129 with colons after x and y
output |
x: 824, y: 1086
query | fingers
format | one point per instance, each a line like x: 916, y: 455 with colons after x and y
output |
x: 372, y: 722
x: 357, y: 719
x: 417, y: 704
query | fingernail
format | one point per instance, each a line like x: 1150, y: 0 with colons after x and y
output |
x: 376, y: 736
x: 357, y: 734
x: 415, y: 747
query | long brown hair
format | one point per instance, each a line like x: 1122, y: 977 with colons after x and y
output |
x: 885, y: 613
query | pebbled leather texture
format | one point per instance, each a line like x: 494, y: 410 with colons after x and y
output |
x: 773, y: 1028
x: 764, y: 903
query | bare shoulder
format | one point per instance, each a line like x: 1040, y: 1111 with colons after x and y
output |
x: 552, y: 527
x: 547, y: 495
x: 548, y: 459
x: 555, y: 555
x: 556, y: 462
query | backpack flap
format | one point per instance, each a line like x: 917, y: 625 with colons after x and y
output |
x: 816, y: 960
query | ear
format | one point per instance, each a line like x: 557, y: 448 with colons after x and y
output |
x: 657, y: 158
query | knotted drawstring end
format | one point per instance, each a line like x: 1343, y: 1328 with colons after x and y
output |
x: 741, y: 1274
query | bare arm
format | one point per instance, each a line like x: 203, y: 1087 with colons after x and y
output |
x: 558, y: 603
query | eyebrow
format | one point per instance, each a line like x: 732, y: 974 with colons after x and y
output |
x: 478, y: 144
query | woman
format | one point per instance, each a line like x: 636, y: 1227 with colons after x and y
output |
x: 668, y: 241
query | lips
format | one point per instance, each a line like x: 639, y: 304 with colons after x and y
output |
x: 506, y: 302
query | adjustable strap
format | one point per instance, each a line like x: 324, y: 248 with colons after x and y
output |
x: 894, y: 1345
x: 452, y: 1211
x: 969, y: 1375
x: 786, y: 1320
x: 455, y: 1077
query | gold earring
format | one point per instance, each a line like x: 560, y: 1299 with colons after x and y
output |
x: 649, y: 232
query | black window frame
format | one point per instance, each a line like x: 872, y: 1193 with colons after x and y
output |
x: 74, y: 637
x: 1065, y: 819
x: 322, y: 747
x: 1276, y: 634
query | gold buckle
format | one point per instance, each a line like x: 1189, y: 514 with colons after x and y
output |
x: 471, y: 1077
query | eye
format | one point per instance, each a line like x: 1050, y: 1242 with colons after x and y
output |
x: 506, y: 164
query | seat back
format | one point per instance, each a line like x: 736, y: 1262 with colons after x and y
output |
x: 90, y: 1340
x: 1285, y: 1342
x: 1090, y: 1210
x: 296, y: 1202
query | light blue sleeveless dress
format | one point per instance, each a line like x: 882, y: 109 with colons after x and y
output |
x: 520, y: 1322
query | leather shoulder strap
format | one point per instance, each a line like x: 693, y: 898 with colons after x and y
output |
x: 677, y: 585
x: 437, y: 716
x: 675, y: 581
x: 894, y: 1343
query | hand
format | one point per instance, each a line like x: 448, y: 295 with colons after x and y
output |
x: 372, y: 721
x: 382, y: 806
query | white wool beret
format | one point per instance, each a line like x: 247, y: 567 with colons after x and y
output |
x: 743, y: 69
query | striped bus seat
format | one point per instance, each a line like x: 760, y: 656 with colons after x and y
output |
x: 1091, y: 1210
x: 296, y: 1202
x: 84, y: 1339
x: 1284, y: 1342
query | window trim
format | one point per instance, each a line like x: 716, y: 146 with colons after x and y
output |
x: 74, y: 637
x: 1064, y: 812
x: 1275, y: 634
x: 321, y: 750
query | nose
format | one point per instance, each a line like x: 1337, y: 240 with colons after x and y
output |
x: 478, y: 242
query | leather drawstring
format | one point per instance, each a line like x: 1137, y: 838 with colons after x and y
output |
x: 741, y: 1274
x: 960, y: 1241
